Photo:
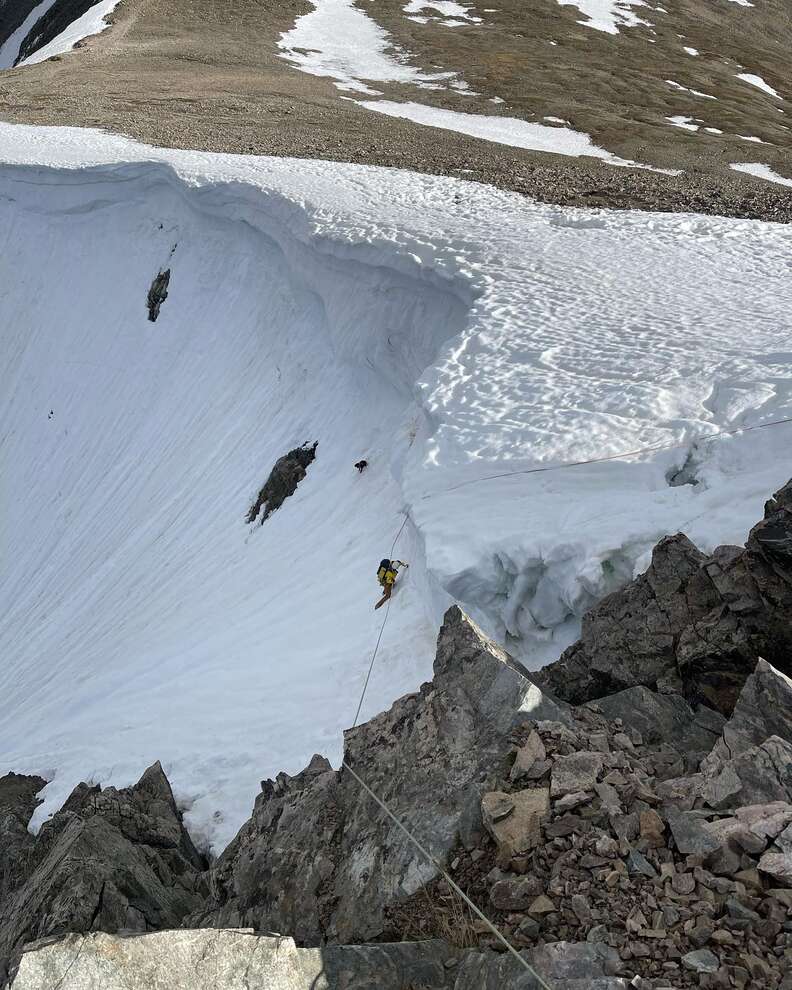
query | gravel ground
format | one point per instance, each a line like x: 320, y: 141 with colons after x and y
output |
x: 204, y: 75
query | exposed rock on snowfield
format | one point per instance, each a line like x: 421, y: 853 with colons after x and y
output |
x: 431, y: 757
x: 157, y: 294
x: 691, y: 623
x: 109, y: 860
x: 283, y: 480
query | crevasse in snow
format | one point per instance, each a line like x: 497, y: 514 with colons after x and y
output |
x: 445, y: 331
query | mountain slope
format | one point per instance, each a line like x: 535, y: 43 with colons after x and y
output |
x: 442, y: 330
x: 527, y: 99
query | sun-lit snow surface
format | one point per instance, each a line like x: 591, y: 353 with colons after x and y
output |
x: 506, y: 130
x: 9, y: 50
x: 758, y: 82
x: 338, y: 40
x: 452, y: 14
x: 141, y: 617
x: 761, y: 172
x: 608, y: 15
x: 92, y: 22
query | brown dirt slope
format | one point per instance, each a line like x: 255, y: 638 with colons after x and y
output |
x: 206, y: 75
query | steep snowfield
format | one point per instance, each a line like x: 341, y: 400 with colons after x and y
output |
x: 446, y: 331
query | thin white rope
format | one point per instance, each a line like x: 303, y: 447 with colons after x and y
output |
x: 421, y: 849
x: 612, y: 457
x: 454, y: 886
x: 382, y: 630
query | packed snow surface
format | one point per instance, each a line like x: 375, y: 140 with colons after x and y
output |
x: 757, y: 81
x: 9, y: 50
x: 452, y: 334
x: 451, y: 14
x: 93, y: 21
x: 506, y: 130
x: 761, y: 172
x: 338, y: 40
x: 684, y: 89
x: 608, y: 15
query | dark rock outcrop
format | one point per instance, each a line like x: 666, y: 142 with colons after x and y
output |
x: 691, y: 622
x: 18, y: 801
x: 157, y: 294
x: 665, y: 718
x: 282, y: 482
x: 319, y: 860
x: 109, y: 860
x: 59, y: 16
x: 13, y: 14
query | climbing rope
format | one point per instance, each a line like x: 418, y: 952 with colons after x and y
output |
x: 382, y: 630
x: 454, y: 886
x: 614, y: 457
x: 403, y: 828
x: 75, y: 957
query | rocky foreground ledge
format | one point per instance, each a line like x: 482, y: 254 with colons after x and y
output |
x: 642, y: 838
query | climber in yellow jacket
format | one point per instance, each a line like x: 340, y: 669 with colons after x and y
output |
x: 386, y: 575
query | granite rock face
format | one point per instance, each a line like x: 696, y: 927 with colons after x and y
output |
x: 18, y: 801
x: 209, y: 959
x: 693, y: 622
x: 318, y: 858
x: 110, y: 859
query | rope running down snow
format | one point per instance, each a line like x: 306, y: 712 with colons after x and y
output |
x: 421, y: 849
x: 382, y: 629
x: 613, y: 457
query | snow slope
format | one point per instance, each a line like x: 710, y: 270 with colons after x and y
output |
x: 444, y: 330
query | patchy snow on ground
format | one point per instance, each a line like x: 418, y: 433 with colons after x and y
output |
x: 506, y: 130
x: 761, y: 172
x: 685, y: 89
x: 687, y: 123
x: 452, y: 14
x: 609, y: 15
x: 452, y: 334
x: 758, y: 82
x: 9, y: 50
x: 93, y: 21
x: 689, y: 50
x: 338, y: 40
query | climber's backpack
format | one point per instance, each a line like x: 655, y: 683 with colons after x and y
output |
x: 384, y: 567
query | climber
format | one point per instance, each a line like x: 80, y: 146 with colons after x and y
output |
x: 386, y: 575
x: 361, y: 466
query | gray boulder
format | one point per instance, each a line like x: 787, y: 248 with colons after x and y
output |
x: 109, y: 860
x: 693, y: 620
x: 756, y: 776
x: 210, y: 959
x: 665, y: 718
x: 320, y: 860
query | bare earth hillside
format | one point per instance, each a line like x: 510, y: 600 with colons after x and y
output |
x: 657, y: 86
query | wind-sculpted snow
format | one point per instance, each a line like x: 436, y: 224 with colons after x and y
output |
x: 445, y: 331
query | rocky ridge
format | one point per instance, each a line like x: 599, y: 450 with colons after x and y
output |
x: 641, y: 838
x: 692, y: 624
